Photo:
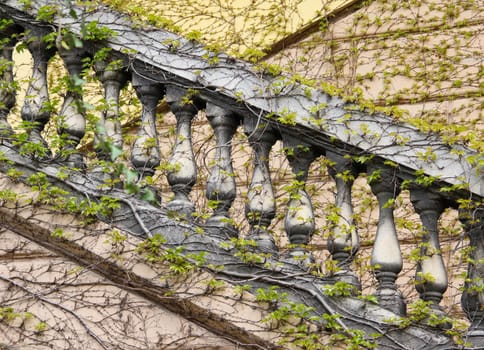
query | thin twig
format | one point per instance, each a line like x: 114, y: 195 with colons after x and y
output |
x: 45, y: 300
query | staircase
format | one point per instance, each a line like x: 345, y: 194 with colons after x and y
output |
x: 310, y: 123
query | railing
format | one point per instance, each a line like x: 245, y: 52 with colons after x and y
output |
x: 309, y: 122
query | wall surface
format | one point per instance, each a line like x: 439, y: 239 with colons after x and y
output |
x: 425, y: 58
x: 48, y: 301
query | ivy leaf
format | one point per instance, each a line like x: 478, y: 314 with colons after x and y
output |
x: 87, y: 106
x: 121, y: 168
x: 77, y: 42
x: 131, y: 188
x: 100, y: 129
x: 77, y: 81
x: 73, y: 14
x: 65, y: 45
x: 115, y: 151
x: 149, y: 196
x: 131, y: 176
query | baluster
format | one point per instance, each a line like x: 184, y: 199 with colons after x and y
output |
x: 73, y: 124
x: 182, y: 174
x: 260, y: 207
x: 386, y: 258
x: 343, y: 242
x: 299, y: 221
x: 430, y: 206
x: 113, y: 81
x: 35, y: 108
x: 145, y: 152
x: 473, y: 295
x: 8, y: 91
x: 221, y: 182
x: 109, y: 125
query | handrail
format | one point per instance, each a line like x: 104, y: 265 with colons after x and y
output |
x: 310, y: 123
x: 239, y: 86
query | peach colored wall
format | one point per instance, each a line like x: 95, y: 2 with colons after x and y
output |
x: 407, y: 57
x: 62, y: 305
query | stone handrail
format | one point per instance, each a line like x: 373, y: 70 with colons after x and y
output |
x: 161, y: 64
x: 149, y: 52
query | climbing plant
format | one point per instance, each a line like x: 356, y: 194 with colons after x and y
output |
x: 421, y: 62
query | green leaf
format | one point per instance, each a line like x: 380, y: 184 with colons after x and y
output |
x: 131, y: 176
x: 131, y: 188
x: 148, y: 195
x: 73, y: 14
x: 115, y: 151
x: 64, y: 45
x: 77, y: 81
x: 77, y: 43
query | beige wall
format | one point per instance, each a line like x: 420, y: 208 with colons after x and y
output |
x: 62, y: 305
x: 414, y: 58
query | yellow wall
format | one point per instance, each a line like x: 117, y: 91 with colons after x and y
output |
x: 236, y: 24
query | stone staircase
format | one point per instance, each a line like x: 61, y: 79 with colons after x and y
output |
x: 310, y: 123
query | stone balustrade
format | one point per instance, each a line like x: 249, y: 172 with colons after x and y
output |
x: 266, y: 118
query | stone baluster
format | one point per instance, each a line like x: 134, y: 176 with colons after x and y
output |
x: 431, y: 275
x: 473, y: 294
x: 260, y: 207
x: 109, y: 128
x: 386, y: 258
x: 108, y: 135
x: 73, y: 122
x: 35, y: 110
x: 343, y: 242
x: 182, y: 174
x: 299, y: 221
x: 221, y: 182
x: 8, y: 91
x: 145, y: 152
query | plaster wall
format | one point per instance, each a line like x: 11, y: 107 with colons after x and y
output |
x: 424, y: 59
x: 55, y: 303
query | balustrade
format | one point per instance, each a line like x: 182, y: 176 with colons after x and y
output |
x: 260, y: 209
x: 72, y: 115
x: 431, y: 275
x: 473, y: 294
x: 108, y: 136
x: 8, y: 91
x: 109, y: 125
x: 182, y: 173
x: 145, y: 152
